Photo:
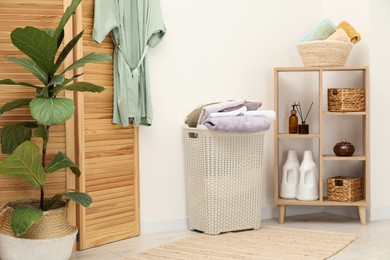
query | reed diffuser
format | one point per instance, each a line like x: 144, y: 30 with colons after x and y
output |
x: 303, y: 128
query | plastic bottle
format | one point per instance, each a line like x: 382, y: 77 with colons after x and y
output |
x: 293, y: 121
x: 308, y: 178
x: 288, y: 186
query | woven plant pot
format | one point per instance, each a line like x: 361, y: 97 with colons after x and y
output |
x: 50, y: 238
x: 324, y: 53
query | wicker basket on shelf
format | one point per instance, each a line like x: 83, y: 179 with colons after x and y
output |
x: 345, y: 189
x: 346, y: 99
x: 324, y: 53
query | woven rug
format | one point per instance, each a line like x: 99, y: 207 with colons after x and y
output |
x: 266, y: 243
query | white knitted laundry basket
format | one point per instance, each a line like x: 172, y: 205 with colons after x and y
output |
x: 224, y: 180
x: 324, y: 53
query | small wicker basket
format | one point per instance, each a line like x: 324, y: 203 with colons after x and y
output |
x: 345, y: 189
x: 346, y: 99
x: 324, y: 53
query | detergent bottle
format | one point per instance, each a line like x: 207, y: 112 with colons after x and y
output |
x: 290, y: 176
x: 308, y: 178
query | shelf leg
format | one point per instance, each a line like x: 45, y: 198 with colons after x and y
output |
x: 362, y: 214
x: 282, y: 213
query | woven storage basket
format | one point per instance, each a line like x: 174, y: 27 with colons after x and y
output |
x: 346, y: 99
x: 54, y: 223
x: 345, y: 189
x: 224, y: 180
x: 324, y: 53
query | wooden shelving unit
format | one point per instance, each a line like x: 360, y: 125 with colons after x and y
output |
x: 322, y: 137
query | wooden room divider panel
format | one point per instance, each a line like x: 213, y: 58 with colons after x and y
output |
x: 107, y: 154
x: 42, y: 14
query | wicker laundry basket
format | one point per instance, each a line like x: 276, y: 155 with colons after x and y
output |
x: 324, y: 53
x: 224, y: 180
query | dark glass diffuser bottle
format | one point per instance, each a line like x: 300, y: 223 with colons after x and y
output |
x: 293, y: 121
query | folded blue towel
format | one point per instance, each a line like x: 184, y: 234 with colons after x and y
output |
x: 239, y: 124
x: 322, y: 31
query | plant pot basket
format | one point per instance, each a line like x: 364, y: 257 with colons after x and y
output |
x: 346, y: 99
x: 345, y: 189
x: 53, y: 224
x: 50, y: 238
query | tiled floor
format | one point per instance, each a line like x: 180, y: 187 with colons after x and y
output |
x: 373, y: 242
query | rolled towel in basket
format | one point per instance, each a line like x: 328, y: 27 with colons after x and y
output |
x: 351, y: 32
x: 239, y: 124
x: 322, y: 31
x: 339, y: 35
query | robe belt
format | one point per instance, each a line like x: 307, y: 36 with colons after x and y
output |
x: 134, y: 70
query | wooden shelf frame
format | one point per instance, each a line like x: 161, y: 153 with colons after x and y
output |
x: 322, y: 115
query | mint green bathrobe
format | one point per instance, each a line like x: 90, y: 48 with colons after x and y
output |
x: 135, y: 25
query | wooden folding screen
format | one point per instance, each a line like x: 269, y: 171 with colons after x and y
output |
x: 42, y: 14
x: 107, y: 154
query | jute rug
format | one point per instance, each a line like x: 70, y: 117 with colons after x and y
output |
x: 266, y: 243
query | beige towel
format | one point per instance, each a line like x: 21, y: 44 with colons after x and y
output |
x: 352, y: 33
x: 339, y: 35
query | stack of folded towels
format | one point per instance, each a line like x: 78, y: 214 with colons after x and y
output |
x: 326, y: 30
x: 232, y: 116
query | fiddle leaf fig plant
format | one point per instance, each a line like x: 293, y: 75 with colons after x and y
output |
x: 26, y: 160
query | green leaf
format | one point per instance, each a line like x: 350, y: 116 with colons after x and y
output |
x: 57, y: 79
x: 11, y: 82
x: 61, y: 161
x: 50, y: 31
x: 23, y: 218
x: 41, y: 131
x: 12, y: 136
x: 63, y: 86
x: 60, y: 38
x: 37, y: 44
x: 29, y: 124
x: 68, y: 13
x: 32, y: 67
x: 15, y: 104
x: 65, y: 52
x: 51, y: 202
x: 52, y: 111
x: 79, y: 197
x: 24, y: 163
x: 44, y: 93
x: 90, y: 58
x: 84, y: 87
x: 72, y: 78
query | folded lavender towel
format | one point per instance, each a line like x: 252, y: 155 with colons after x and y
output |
x: 239, y: 124
x: 322, y: 31
x: 217, y: 108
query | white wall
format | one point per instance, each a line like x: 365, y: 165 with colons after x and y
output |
x: 218, y: 50
x: 380, y: 96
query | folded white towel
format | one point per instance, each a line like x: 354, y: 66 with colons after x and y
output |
x: 270, y: 114
x: 237, y: 112
x: 217, y: 107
